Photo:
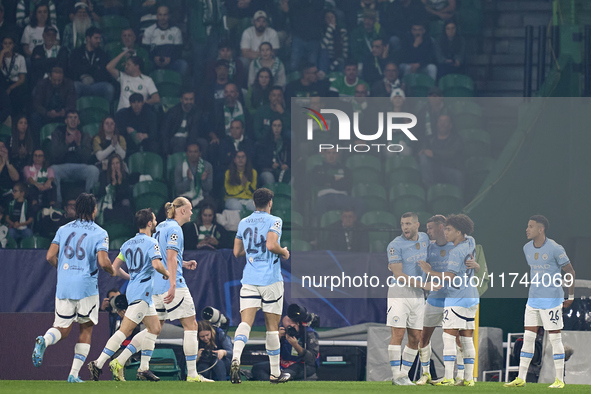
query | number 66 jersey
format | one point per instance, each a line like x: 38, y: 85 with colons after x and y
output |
x: 77, y: 271
x: 262, y: 266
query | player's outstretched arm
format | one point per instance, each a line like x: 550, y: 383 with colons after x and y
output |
x: 171, y: 256
x: 159, y: 267
x: 52, y: 253
x: 117, y: 268
x: 239, y: 248
x: 274, y: 247
x: 568, y: 269
x: 104, y: 262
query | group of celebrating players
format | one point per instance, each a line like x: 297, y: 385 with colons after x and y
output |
x: 157, y: 291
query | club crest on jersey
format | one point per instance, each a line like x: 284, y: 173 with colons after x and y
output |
x: 250, y: 259
x: 396, y: 319
x: 544, y: 256
x: 536, y: 256
x: 442, y: 253
x: 66, y: 266
x: 418, y: 246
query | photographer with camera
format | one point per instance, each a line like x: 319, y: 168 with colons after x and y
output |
x: 300, y: 352
x: 215, y: 352
x: 109, y: 304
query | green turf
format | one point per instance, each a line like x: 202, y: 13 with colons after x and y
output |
x: 49, y: 387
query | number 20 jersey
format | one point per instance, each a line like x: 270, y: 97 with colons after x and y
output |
x: 138, y: 254
x: 262, y: 266
x: 77, y: 270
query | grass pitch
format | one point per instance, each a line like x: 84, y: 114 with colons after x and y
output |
x: 58, y: 387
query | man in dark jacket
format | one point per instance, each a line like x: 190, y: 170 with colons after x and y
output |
x: 182, y: 126
x: 233, y: 143
x: 306, y: 25
x: 54, y: 96
x: 71, y: 151
x: 418, y: 52
x: 348, y: 235
x: 88, y: 68
x: 46, y: 56
x: 139, y: 126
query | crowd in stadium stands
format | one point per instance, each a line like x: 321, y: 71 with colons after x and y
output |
x: 194, y: 97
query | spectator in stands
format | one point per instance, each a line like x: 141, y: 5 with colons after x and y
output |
x: 450, y: 51
x: 443, y: 9
x: 128, y: 41
x: 214, y: 91
x: 25, y: 9
x: 14, y: 71
x: 54, y: 96
x: 297, y: 354
x: 400, y: 16
x: 165, y: 43
x: 240, y: 183
x: 235, y: 142
x: 442, y: 157
x: 40, y: 178
x: 143, y: 14
x: 193, y: 178
x: 418, y: 53
x: 334, y: 47
x: 428, y: 114
x: 258, y: 93
x: 88, y: 68
x: 333, y: 182
x: 184, y: 124
x: 71, y: 151
x: 306, y: 31
x: 225, y: 113
x: 48, y: 55
x: 215, y: 350
x: 132, y: 80
x: 375, y: 62
x: 363, y: 35
x: 236, y: 71
x: 19, y: 218
x: 367, y: 5
x: 254, y: 36
x: 8, y: 175
x: 348, y: 235
x: 115, y: 192
x: 21, y: 143
x: 345, y: 84
x: 307, y: 86
x: 75, y: 33
x: 108, y: 142
x: 267, y: 60
x: 6, y: 28
x: 391, y: 81
x: 139, y: 125
x: 205, y: 232
x: 275, y: 109
x: 33, y: 34
x: 3, y: 229
x: 90, y: 4
x: 240, y: 12
x: 274, y: 156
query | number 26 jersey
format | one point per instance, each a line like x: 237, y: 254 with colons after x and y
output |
x: 262, y: 266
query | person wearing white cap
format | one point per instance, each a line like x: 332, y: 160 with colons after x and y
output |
x: 254, y: 36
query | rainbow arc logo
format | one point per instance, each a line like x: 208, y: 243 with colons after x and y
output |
x: 315, y: 115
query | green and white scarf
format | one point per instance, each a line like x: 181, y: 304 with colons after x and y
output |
x: 274, y: 68
x: 195, y: 194
x: 233, y: 114
x: 23, y: 217
x: 106, y: 202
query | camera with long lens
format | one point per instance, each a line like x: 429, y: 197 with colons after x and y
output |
x: 299, y: 314
x: 292, y: 332
x: 215, y: 317
x: 117, y: 303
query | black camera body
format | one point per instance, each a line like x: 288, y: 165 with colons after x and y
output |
x: 117, y: 303
x: 207, y: 354
x: 291, y: 331
x: 299, y: 314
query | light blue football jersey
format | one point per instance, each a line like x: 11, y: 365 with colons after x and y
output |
x: 437, y: 256
x: 546, y: 262
x: 401, y: 250
x: 77, y: 269
x: 462, y: 294
x: 170, y: 236
x: 262, y: 266
x: 138, y: 254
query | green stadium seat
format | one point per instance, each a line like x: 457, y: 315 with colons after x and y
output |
x: 373, y: 195
x: 149, y: 200
x: 171, y: 162
x: 366, y: 175
x: 418, y: 84
x: 146, y: 163
x: 293, y: 76
x: 168, y: 82
x: 476, y: 143
x: 385, y: 235
x: 119, y: 230
x: 92, y: 109
x: 470, y: 17
x: 379, y: 219
x: 476, y: 171
x: 285, y: 216
x: 314, y: 161
x: 5, y: 134
x: 285, y: 241
x: 280, y: 189
x: 281, y: 204
x: 245, y: 212
x: 378, y: 246
x: 92, y: 129
x: 466, y: 115
x: 150, y: 187
x: 363, y: 161
x: 46, y: 130
x: 436, y: 28
x: 299, y: 245
x: 457, y: 85
x: 445, y: 199
x: 11, y: 243
x: 329, y: 218
x: 35, y: 242
x: 169, y: 102
x: 423, y: 217
x: 164, y: 364
x: 116, y: 243
x: 407, y: 197
x: 297, y: 220
x: 112, y: 25
x: 402, y: 169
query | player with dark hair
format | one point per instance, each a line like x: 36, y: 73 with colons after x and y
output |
x: 258, y: 239
x: 75, y: 251
x: 546, y: 258
x: 462, y: 298
x: 143, y: 259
